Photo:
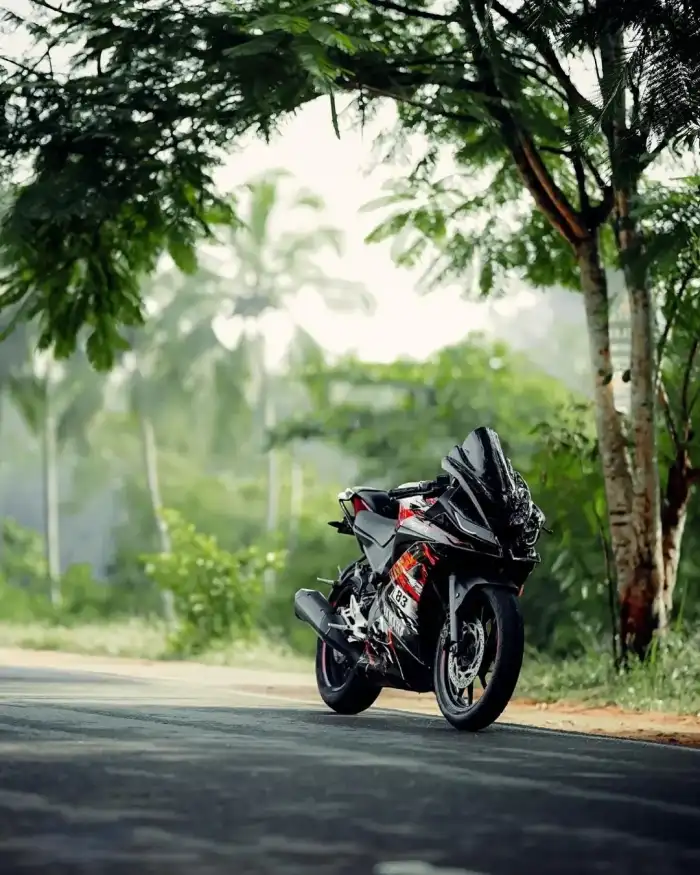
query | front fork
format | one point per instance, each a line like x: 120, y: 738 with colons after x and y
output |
x: 452, y: 591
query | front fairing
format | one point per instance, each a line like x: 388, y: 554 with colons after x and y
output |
x: 480, y: 464
x: 490, y: 492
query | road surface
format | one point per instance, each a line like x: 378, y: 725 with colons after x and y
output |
x: 106, y: 775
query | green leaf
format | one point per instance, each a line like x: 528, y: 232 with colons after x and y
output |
x: 329, y: 36
x: 486, y: 278
x: 280, y: 21
x: 334, y: 113
x: 259, y: 45
x: 184, y: 254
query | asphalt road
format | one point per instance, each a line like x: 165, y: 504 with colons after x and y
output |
x: 106, y: 775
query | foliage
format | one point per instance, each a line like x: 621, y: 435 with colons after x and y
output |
x: 399, y: 418
x: 123, y: 144
x: 22, y: 556
x: 24, y: 585
x: 660, y: 58
x: 216, y: 592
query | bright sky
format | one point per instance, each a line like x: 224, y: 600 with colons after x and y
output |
x: 404, y: 323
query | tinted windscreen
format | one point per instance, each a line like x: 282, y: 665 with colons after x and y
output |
x: 480, y: 458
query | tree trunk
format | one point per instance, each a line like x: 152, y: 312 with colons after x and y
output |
x: 630, y: 546
x: 266, y: 404
x: 150, y: 461
x: 272, y: 514
x: 51, y: 497
x: 642, y: 595
x: 673, y: 519
x: 296, y: 499
x: 611, y: 440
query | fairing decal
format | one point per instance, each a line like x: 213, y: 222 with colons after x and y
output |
x: 408, y: 507
x: 394, y: 619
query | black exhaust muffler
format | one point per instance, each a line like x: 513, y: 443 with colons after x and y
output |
x: 313, y: 608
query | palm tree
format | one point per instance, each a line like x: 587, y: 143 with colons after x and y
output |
x: 57, y: 403
x: 657, y: 60
x: 267, y: 268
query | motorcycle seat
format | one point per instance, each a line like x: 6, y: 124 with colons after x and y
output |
x: 379, y: 501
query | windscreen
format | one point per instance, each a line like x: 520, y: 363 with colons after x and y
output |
x: 481, y: 461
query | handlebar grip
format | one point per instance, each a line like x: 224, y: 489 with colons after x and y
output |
x: 400, y: 493
x: 408, y: 491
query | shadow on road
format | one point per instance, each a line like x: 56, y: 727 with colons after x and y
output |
x: 43, y: 676
x: 103, y: 788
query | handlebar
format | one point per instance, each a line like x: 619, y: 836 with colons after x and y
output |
x: 421, y: 488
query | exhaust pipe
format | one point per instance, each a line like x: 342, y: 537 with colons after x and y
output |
x: 312, y: 607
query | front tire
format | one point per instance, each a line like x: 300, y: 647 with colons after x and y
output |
x: 490, y: 650
x: 343, y: 688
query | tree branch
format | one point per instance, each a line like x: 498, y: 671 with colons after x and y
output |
x: 25, y: 68
x: 686, y: 405
x: 556, y: 150
x: 424, y: 107
x: 554, y: 198
x: 410, y: 10
x: 668, y: 416
x: 534, y: 172
x: 525, y: 71
x: 59, y: 10
x: 595, y: 173
x: 580, y: 173
x: 678, y: 296
x: 546, y: 49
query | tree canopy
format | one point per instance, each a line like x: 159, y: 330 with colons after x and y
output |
x: 122, y: 111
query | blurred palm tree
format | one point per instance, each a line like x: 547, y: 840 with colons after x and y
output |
x: 170, y: 381
x: 256, y: 270
x: 57, y: 403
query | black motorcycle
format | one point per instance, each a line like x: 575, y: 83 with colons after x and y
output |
x: 432, y: 606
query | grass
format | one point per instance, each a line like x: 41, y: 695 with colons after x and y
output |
x: 141, y: 639
x: 670, y: 683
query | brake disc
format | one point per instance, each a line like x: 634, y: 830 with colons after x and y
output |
x: 464, y: 667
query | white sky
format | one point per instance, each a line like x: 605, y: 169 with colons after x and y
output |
x: 404, y: 322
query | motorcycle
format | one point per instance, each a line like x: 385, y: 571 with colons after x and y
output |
x: 432, y: 605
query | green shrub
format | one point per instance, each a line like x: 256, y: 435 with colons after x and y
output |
x: 24, y: 589
x: 84, y: 599
x: 217, y: 593
x: 22, y: 557
x: 23, y: 604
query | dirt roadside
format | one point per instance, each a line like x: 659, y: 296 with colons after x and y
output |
x: 300, y: 688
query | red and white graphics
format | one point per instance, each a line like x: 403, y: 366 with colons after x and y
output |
x: 408, y: 507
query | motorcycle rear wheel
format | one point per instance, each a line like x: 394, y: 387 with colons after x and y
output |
x: 343, y: 688
x: 490, y: 624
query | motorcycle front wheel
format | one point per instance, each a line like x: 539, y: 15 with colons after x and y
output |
x: 489, y: 651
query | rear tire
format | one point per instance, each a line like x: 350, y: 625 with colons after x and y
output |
x: 345, y: 690
x: 502, y: 657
